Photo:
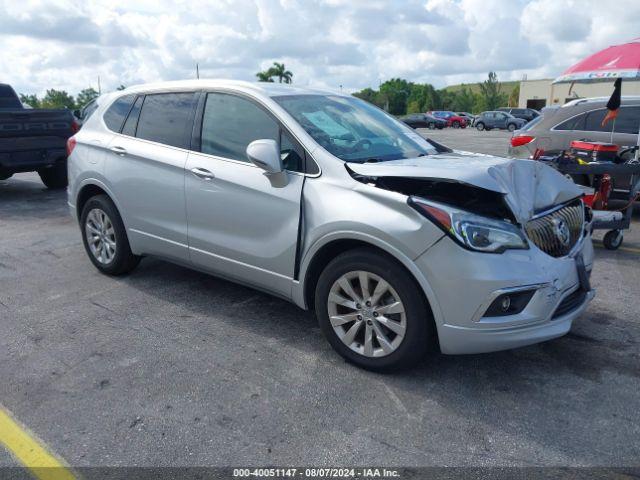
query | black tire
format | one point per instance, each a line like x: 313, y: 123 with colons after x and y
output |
x: 480, y: 126
x: 612, y: 239
x: 55, y: 177
x: 456, y: 124
x: 511, y: 127
x: 420, y: 329
x: 432, y: 126
x: 124, y: 260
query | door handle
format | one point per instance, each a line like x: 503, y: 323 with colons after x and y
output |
x: 118, y: 150
x: 203, y: 173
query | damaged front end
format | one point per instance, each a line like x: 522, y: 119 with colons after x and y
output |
x: 486, y: 204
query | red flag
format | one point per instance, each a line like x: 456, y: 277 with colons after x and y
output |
x: 613, y: 105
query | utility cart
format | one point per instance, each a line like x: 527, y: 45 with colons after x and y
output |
x: 613, y: 220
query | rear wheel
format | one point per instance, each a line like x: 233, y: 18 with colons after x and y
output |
x: 511, y: 127
x: 480, y: 126
x: 105, y: 238
x: 455, y: 124
x: 54, y: 177
x: 372, y: 312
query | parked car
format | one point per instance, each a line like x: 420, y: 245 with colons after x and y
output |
x: 580, y: 119
x: 527, y: 114
x: 33, y: 139
x: 422, y: 120
x: 500, y: 120
x: 469, y: 117
x: 453, y: 120
x: 329, y: 202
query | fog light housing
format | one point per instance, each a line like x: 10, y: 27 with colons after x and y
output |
x: 510, y: 303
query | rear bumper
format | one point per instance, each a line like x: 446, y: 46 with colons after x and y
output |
x: 31, y: 160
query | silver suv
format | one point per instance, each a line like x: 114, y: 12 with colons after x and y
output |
x: 396, y: 242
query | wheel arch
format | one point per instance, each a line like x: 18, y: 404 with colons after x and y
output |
x: 90, y: 188
x: 327, y: 248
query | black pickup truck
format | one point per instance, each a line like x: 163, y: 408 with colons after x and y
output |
x: 34, y: 140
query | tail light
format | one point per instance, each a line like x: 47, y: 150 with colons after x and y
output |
x: 71, y: 144
x: 75, y: 126
x: 520, y: 140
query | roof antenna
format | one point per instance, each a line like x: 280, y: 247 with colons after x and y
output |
x: 197, y: 72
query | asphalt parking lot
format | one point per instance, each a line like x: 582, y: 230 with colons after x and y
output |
x: 172, y: 367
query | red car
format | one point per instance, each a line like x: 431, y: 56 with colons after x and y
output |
x: 452, y: 119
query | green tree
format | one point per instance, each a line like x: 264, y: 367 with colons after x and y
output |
x: 395, y: 93
x: 514, y: 97
x: 85, y: 96
x: 58, y: 99
x: 464, y: 100
x: 30, y: 99
x: 264, y: 76
x: 369, y: 95
x: 280, y: 71
x: 492, y: 92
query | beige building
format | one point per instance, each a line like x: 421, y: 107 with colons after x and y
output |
x: 542, y: 93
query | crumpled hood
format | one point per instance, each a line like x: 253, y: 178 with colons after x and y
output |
x: 529, y: 186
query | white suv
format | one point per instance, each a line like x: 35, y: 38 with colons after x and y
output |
x: 397, y: 242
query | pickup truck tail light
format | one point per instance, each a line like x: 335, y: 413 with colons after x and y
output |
x: 71, y: 144
x: 520, y: 140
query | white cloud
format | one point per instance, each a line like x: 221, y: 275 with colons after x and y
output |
x: 355, y: 43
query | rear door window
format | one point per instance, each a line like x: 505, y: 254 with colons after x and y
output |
x: 117, y: 112
x: 593, y: 121
x: 628, y: 120
x: 574, y: 123
x: 167, y: 118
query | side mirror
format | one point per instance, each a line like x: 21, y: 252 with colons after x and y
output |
x: 265, y: 154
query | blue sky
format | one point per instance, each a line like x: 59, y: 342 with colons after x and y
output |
x: 353, y: 43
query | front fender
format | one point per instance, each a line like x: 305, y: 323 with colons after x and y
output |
x: 299, y: 287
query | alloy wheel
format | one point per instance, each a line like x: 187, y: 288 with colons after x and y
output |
x: 367, y: 314
x: 100, y: 235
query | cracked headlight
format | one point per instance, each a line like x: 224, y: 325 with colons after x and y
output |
x: 472, y: 231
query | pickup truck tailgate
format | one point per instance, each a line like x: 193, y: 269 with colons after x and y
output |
x: 33, y: 138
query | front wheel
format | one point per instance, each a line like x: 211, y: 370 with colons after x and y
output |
x: 480, y: 126
x: 105, y: 238
x: 455, y: 124
x: 54, y: 177
x: 432, y: 125
x: 372, y: 312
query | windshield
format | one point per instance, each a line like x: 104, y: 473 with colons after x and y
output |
x: 354, y: 130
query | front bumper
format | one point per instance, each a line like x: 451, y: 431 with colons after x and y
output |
x: 464, y: 282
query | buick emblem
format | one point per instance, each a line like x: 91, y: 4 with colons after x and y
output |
x: 561, y: 230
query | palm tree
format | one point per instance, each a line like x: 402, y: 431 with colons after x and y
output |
x: 280, y: 71
x: 265, y: 76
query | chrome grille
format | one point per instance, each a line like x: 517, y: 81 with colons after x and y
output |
x: 557, y: 232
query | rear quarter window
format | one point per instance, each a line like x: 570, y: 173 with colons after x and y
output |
x: 117, y: 112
